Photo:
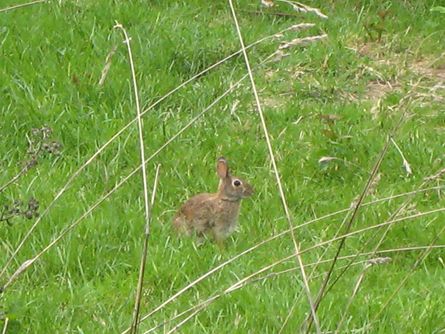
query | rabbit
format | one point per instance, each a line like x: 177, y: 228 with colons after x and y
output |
x: 215, y: 214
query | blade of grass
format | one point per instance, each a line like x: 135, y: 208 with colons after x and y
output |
x: 297, y: 298
x: 29, y: 262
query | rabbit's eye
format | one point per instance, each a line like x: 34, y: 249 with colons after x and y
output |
x: 237, y: 183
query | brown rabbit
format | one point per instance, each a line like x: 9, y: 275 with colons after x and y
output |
x: 214, y: 214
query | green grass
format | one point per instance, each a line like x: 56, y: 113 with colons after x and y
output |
x: 51, y: 58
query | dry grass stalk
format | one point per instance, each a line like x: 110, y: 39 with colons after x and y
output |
x: 136, y: 311
x: 294, y: 305
x: 284, y: 324
x: 235, y: 286
x: 147, y: 206
x: 197, y: 307
x: 29, y: 262
x: 300, y: 7
x: 372, y: 187
x: 406, y: 164
x: 26, y: 264
x: 407, y: 99
x: 107, y: 66
x: 5, y: 325
x: 436, y: 176
x: 3, y: 10
x: 275, y: 168
x: 179, y: 325
x: 369, y: 228
x: 353, y: 256
x: 301, y: 41
x: 267, y: 3
x: 15, y: 178
x: 386, y: 223
x: 394, y: 215
x: 296, y: 6
x: 123, y: 129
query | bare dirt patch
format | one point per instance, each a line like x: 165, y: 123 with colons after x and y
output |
x: 376, y: 90
x: 426, y: 68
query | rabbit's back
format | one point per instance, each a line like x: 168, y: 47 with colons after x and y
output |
x: 195, y: 214
x: 207, y: 214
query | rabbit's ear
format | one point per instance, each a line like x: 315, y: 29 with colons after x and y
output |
x: 222, y: 169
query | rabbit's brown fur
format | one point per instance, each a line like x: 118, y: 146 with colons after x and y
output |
x: 214, y: 214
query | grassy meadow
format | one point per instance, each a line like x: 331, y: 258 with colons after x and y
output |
x: 329, y: 106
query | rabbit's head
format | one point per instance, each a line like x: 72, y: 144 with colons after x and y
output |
x: 231, y: 188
